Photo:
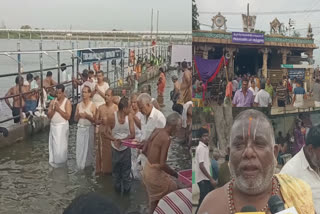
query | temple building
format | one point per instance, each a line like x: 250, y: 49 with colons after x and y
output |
x: 273, y: 55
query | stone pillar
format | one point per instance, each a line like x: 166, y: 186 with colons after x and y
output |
x: 310, y: 71
x: 205, y: 52
x: 231, y: 51
x: 265, y: 52
x: 284, y: 52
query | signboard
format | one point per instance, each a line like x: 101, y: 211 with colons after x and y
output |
x: 98, y: 54
x: 295, y: 66
x: 298, y: 73
x: 248, y: 38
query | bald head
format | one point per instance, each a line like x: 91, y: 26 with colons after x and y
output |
x: 173, y: 123
x: 252, y: 124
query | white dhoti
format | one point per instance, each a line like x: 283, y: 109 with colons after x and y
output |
x: 85, y: 146
x: 58, y: 144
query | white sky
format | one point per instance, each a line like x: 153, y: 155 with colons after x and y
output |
x: 175, y: 15
x: 234, y: 22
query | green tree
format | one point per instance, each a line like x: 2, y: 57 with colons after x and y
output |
x: 195, y: 14
x: 260, y: 31
x: 26, y: 27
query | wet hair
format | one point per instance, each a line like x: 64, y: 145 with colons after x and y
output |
x: 136, y: 94
x: 63, y: 66
x: 100, y: 72
x: 178, y: 108
x: 263, y: 85
x: 18, y: 79
x: 49, y: 74
x: 144, y: 98
x: 184, y: 65
x: 314, y: 136
x: 29, y: 77
x: 109, y: 89
x: 203, y: 131
x: 91, y: 72
x: 60, y: 86
x: 86, y: 86
x: 174, y: 77
x: 124, y: 103
x: 92, y: 203
x: 161, y: 70
x: 173, y: 119
x: 85, y: 73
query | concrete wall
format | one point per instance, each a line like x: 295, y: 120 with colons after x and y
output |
x: 19, y: 132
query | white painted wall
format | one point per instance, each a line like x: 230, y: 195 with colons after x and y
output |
x: 181, y: 53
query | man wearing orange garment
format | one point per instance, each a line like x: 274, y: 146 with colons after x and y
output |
x: 161, y: 86
x: 252, y: 164
x: 103, y: 144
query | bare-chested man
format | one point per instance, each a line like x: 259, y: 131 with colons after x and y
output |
x: 103, y: 151
x: 252, y: 165
x: 16, y: 105
x: 186, y: 85
x: 32, y: 98
x: 48, y: 82
x: 156, y: 173
x: 100, y: 90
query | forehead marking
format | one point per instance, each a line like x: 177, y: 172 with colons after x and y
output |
x: 249, y: 126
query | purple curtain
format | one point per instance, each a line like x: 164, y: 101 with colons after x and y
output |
x: 207, y: 68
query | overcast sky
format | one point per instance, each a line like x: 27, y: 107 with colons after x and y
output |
x: 234, y: 22
x: 175, y: 15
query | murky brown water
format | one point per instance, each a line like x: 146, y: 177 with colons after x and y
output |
x: 28, y: 185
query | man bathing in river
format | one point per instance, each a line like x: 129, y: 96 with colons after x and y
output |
x: 156, y: 173
x: 59, y: 113
x: 103, y: 151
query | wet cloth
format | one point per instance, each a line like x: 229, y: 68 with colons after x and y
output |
x: 184, y: 113
x: 177, y: 202
x: 121, y: 169
x: 85, y: 139
x: 103, y: 154
x: 296, y: 193
x: 58, y: 137
x: 31, y: 105
x: 85, y: 144
x: 158, y: 183
x: 16, y: 112
x: 58, y: 143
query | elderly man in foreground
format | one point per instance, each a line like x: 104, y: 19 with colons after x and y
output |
x: 252, y: 165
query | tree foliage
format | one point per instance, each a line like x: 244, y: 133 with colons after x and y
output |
x: 195, y: 15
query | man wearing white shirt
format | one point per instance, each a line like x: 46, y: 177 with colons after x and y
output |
x: 306, y: 165
x: 152, y: 119
x: 202, y: 166
x: 65, y: 76
x: 263, y: 98
x: 253, y: 88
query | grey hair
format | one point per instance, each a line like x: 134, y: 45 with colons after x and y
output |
x: 144, y: 98
x: 254, y: 114
x: 173, y: 119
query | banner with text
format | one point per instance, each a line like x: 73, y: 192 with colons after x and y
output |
x: 99, y: 54
x: 248, y: 38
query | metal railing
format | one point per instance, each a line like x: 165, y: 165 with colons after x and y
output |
x: 124, y: 65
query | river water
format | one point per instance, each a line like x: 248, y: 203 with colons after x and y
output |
x: 31, y: 62
x: 28, y: 185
